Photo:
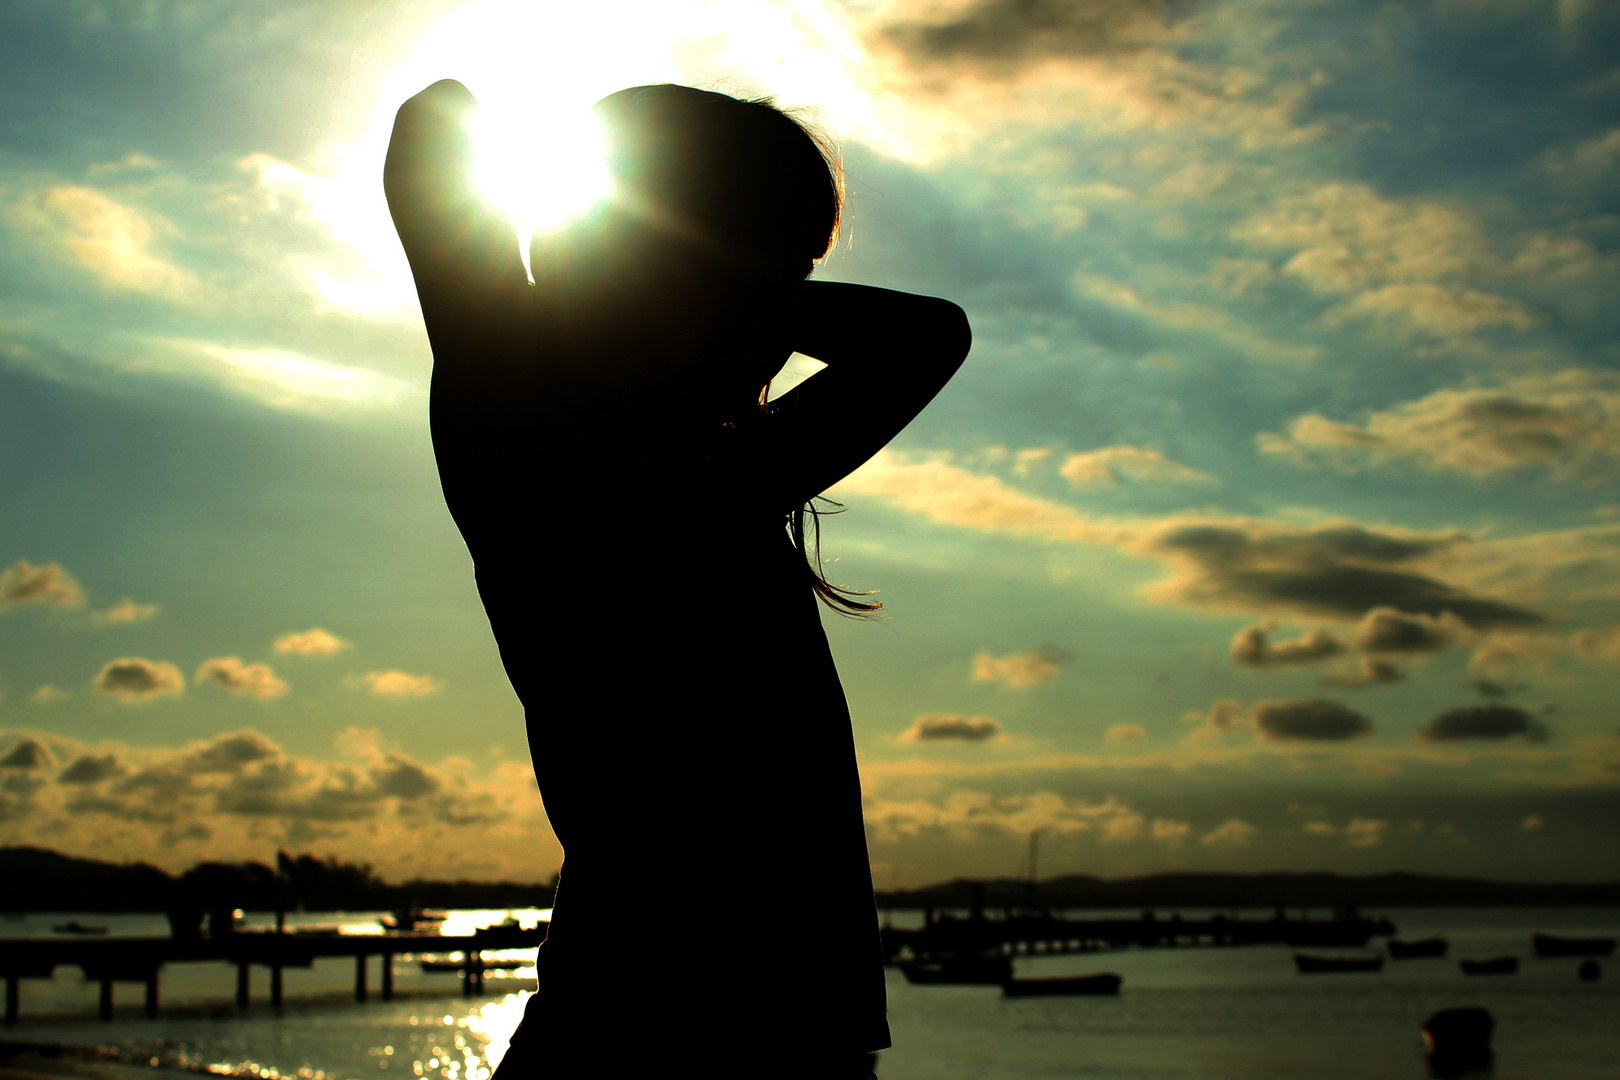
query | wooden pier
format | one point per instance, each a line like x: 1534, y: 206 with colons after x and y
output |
x: 1035, y: 933
x: 110, y: 961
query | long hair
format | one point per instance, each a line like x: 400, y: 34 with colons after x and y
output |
x: 753, y: 188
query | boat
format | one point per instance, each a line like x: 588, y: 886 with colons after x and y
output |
x: 1501, y: 965
x: 77, y: 927
x: 414, y: 918
x: 1548, y: 945
x: 431, y: 967
x: 1321, y: 965
x: 959, y: 971
x: 1105, y: 982
x: 1422, y: 948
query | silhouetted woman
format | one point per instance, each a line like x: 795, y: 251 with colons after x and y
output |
x: 636, y: 515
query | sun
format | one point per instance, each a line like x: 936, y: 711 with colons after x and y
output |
x: 544, y: 169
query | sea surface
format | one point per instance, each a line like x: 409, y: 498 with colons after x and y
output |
x: 1202, y: 1013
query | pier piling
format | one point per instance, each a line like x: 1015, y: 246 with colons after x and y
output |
x: 244, y: 971
x: 360, y: 977
x: 387, y: 961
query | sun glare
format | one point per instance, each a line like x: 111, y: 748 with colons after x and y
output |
x: 543, y: 170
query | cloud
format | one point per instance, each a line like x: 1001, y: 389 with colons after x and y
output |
x: 1346, y: 238
x: 1493, y: 722
x: 1002, y: 37
x: 1505, y: 652
x: 1308, y: 720
x: 400, y: 684
x: 92, y: 769
x: 124, y: 612
x: 1367, y: 671
x: 1171, y: 833
x: 1253, y: 648
x: 947, y: 494
x: 403, y: 778
x: 1125, y: 733
x: 951, y: 727
x: 1566, y: 425
x: 1359, y: 833
x: 239, y: 790
x: 969, y: 814
x: 47, y: 694
x: 1410, y: 264
x: 1330, y: 571
x: 115, y: 242
x: 1388, y: 631
x: 135, y: 681
x: 1020, y: 671
x: 312, y: 642
x: 28, y: 755
x: 1198, y: 319
x: 24, y: 583
x: 1233, y: 832
x: 1111, y: 465
x: 1365, y: 832
x: 1223, y: 718
x: 1442, y: 311
x: 247, y: 680
x: 1533, y: 823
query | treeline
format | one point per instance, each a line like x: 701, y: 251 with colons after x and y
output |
x: 1318, y: 890
x: 35, y: 879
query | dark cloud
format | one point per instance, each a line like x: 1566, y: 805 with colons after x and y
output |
x: 1253, y: 648
x: 1492, y: 721
x: 1490, y: 689
x: 231, y: 753
x: 1339, y: 572
x: 24, y: 583
x: 91, y: 769
x: 1309, y: 720
x: 401, y: 777
x: 1385, y: 630
x: 951, y: 727
x: 1001, y: 37
x: 30, y: 754
x: 134, y: 680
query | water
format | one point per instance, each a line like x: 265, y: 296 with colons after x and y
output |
x: 1195, y: 1013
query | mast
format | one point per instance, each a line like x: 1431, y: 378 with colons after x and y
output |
x: 1029, y: 886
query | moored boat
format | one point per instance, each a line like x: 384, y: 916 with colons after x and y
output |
x: 959, y: 971
x: 1548, y: 945
x: 1501, y: 965
x: 77, y: 927
x: 1103, y: 982
x: 1423, y: 948
x: 1322, y: 965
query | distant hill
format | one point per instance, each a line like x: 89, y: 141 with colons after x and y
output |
x: 1267, y: 890
x: 36, y: 879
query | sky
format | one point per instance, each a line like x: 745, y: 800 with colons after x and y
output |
x: 1272, y: 522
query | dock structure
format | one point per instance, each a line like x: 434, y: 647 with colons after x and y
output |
x: 109, y: 961
x: 1032, y: 933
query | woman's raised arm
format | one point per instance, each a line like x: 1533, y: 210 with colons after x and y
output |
x: 887, y: 353
x: 463, y: 252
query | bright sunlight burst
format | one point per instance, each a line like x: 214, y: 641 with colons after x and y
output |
x: 543, y: 170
